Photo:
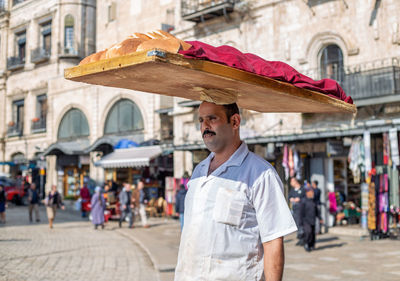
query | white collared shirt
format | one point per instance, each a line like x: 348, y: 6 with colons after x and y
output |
x: 228, y: 215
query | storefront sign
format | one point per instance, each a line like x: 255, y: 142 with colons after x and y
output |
x: 394, y: 147
x: 367, y: 154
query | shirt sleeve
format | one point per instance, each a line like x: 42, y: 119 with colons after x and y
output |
x: 272, y: 212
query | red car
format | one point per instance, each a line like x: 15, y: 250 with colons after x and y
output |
x: 15, y: 194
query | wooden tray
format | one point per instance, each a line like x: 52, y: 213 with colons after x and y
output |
x: 160, y: 72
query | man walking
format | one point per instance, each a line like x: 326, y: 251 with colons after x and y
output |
x: 142, y: 203
x: 317, y: 201
x: 236, y: 214
x: 126, y: 204
x: 33, y: 201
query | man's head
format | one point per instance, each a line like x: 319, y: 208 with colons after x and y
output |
x: 219, y: 125
x: 33, y: 186
x: 54, y: 187
x: 294, y: 183
x: 127, y: 186
x: 314, y: 184
x: 106, y: 187
x: 310, y: 193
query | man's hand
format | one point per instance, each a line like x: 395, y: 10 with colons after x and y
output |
x: 274, y: 259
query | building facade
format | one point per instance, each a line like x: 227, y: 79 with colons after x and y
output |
x: 73, y: 125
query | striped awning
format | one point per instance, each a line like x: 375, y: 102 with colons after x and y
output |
x: 130, y: 157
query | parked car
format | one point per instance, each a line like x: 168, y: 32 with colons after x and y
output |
x: 15, y: 193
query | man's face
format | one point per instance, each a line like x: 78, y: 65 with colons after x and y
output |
x: 33, y: 186
x: 313, y: 185
x: 294, y: 183
x: 217, y: 133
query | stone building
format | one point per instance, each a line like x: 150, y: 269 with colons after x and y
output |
x: 356, y: 42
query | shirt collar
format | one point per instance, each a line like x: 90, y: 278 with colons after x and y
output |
x: 236, y: 158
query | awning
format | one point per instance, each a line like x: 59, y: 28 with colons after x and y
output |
x: 110, y: 140
x: 76, y: 147
x: 130, y: 157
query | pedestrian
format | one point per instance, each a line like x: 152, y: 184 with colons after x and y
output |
x: 126, y: 204
x: 3, y: 204
x: 235, y: 211
x: 142, y: 203
x: 53, y: 202
x: 317, y: 200
x: 309, y: 213
x: 85, y: 200
x: 296, y: 194
x: 180, y: 203
x: 33, y: 201
x: 98, y: 204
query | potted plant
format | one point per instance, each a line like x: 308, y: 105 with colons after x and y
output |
x: 35, y: 119
x: 11, y: 123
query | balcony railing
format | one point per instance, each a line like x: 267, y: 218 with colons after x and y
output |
x: 69, y: 52
x: 14, y: 63
x: 202, y: 10
x: 15, y: 130
x: 40, y: 55
x: 16, y: 2
x: 368, y: 80
x: 38, y: 126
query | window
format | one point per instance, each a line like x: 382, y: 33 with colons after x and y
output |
x: 73, y: 125
x: 45, y: 30
x: 332, y: 63
x: 69, y: 35
x: 21, y: 46
x: 124, y: 117
x: 112, y: 11
x: 17, y: 123
x: 39, y: 121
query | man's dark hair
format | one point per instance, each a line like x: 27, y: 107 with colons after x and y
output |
x: 230, y: 110
x: 316, y: 183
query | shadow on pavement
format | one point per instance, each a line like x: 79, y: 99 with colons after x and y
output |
x: 328, y: 239
x: 15, y: 240
x: 330, y: 246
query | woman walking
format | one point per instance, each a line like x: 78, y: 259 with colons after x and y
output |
x: 98, y: 206
x: 3, y: 199
x: 53, y: 202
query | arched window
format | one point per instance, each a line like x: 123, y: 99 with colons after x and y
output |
x: 124, y: 117
x: 73, y: 125
x: 69, y: 34
x: 332, y: 63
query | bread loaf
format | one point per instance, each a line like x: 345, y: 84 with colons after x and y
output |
x: 140, y: 42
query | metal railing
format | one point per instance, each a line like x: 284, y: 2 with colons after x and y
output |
x: 69, y: 51
x: 15, y: 130
x: 197, y: 10
x: 14, y: 63
x: 368, y: 80
x: 40, y: 55
x: 38, y: 126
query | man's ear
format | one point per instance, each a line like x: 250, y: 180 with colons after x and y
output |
x: 235, y: 120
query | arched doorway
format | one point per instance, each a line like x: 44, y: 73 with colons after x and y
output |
x: 331, y: 63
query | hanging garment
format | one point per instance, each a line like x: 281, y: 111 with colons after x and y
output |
x: 386, y: 150
x: 371, y: 206
x: 291, y: 163
x: 285, y: 161
x: 297, y: 164
x: 332, y: 202
x: 355, y: 159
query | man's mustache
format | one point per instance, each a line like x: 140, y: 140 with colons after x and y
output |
x: 208, y: 132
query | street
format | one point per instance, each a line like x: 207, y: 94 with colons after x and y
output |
x: 73, y: 250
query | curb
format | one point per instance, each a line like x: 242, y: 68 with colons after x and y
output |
x: 144, y: 248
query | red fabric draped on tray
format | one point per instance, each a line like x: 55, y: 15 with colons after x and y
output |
x: 272, y: 69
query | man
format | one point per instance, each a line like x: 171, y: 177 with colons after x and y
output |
x: 309, y: 214
x: 125, y: 204
x: 235, y: 212
x: 296, y: 194
x: 180, y: 204
x: 33, y: 201
x: 317, y: 200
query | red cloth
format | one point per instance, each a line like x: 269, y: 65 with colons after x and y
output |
x: 273, y: 69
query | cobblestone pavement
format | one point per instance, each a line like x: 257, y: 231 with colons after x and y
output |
x: 72, y: 250
x: 343, y: 258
